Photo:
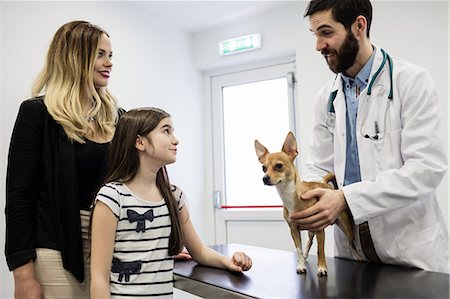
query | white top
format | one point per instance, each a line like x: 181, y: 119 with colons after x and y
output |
x: 141, y: 266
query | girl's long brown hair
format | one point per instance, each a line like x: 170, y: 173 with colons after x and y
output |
x: 123, y: 162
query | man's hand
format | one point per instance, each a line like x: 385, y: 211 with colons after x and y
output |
x: 323, y: 213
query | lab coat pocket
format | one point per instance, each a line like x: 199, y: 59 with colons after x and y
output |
x: 421, y: 250
x: 387, y: 151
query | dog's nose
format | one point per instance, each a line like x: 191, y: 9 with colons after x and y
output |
x: 266, y: 180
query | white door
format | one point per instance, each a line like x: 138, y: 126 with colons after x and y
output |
x: 248, y: 105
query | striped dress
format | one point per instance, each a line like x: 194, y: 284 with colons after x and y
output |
x: 141, y: 266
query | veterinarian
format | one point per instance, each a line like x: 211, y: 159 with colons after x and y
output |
x: 377, y: 127
x: 56, y: 164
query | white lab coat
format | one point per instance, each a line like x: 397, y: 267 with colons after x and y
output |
x: 399, y: 172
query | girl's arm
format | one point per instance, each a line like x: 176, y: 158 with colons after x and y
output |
x: 104, y: 224
x: 206, y: 256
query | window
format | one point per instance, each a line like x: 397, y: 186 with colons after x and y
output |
x: 249, y: 105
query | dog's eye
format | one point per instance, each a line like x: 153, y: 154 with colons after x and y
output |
x: 264, y: 168
x: 278, y: 166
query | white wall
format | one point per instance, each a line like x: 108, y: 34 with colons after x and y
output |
x: 152, y: 67
x: 416, y: 31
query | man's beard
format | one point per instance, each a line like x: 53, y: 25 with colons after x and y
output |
x: 345, y: 56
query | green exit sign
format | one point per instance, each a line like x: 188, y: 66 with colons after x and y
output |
x: 240, y: 44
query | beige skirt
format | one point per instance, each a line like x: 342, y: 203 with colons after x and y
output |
x: 56, y: 282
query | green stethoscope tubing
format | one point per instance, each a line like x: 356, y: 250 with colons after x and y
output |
x: 387, y: 58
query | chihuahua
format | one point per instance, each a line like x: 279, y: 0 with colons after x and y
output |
x: 280, y: 171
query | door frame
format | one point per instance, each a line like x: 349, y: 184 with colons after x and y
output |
x: 217, y: 218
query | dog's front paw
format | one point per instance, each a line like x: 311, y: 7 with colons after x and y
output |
x: 322, y: 272
x: 301, y: 269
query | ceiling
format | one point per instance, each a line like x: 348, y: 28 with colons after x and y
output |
x: 195, y: 16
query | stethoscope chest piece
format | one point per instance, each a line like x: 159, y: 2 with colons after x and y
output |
x: 331, y: 120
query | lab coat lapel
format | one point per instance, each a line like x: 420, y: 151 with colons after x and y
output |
x: 371, y: 104
x: 340, y: 138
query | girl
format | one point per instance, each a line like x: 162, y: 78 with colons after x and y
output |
x: 56, y: 165
x: 139, y: 220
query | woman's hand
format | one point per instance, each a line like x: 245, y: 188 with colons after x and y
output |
x: 184, y: 255
x: 26, y: 286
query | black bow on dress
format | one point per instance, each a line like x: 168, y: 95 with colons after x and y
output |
x: 125, y: 269
x: 134, y: 216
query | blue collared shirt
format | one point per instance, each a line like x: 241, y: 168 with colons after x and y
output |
x: 352, y: 88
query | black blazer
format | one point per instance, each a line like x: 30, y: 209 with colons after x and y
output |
x: 42, y: 205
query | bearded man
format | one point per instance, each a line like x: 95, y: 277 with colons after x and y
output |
x: 377, y: 127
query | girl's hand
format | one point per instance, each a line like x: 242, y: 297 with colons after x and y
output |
x: 240, y: 262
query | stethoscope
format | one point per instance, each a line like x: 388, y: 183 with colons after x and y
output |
x: 378, y: 134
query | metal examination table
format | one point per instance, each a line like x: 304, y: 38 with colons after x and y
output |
x: 273, y: 275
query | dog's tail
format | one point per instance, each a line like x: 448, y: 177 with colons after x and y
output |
x: 330, y: 177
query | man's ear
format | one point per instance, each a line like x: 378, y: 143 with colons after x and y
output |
x: 360, y: 25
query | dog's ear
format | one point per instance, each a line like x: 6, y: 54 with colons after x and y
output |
x: 290, y: 146
x: 261, y: 151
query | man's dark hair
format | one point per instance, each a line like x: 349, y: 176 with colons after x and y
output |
x: 343, y: 11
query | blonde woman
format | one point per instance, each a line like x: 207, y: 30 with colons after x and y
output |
x: 56, y: 165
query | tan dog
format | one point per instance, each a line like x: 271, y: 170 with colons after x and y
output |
x: 281, y: 172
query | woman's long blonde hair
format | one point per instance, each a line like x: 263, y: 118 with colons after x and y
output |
x: 67, y: 81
